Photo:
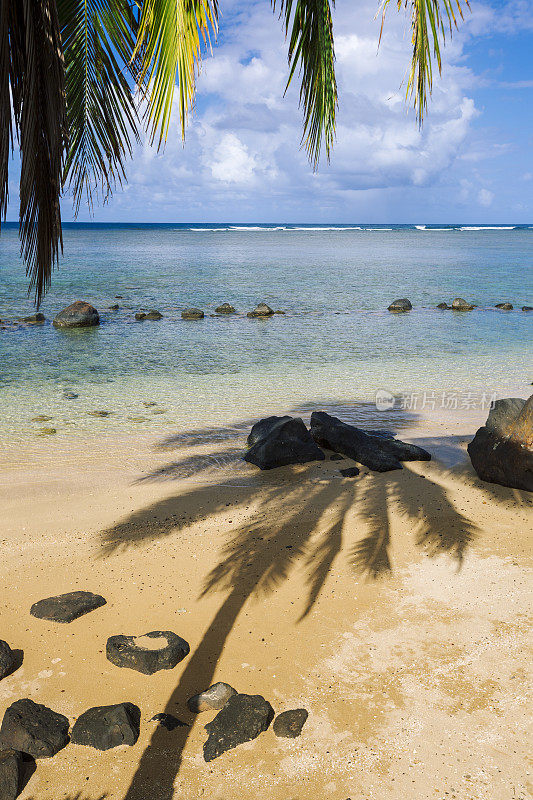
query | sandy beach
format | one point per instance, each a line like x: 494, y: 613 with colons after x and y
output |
x: 393, y: 607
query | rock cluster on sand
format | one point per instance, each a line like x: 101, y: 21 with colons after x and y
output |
x: 378, y: 453
x: 7, y: 660
x: 104, y: 727
x: 213, y: 699
x: 261, y: 310
x: 278, y: 441
x: 289, y: 724
x: 10, y: 774
x: 192, y: 313
x: 225, y: 308
x: 148, y: 653
x: 401, y: 305
x: 67, y: 607
x: 502, y: 450
x: 33, y: 729
x: 77, y: 315
x: 241, y: 720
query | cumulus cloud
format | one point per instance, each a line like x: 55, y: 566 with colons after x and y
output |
x: 485, y: 197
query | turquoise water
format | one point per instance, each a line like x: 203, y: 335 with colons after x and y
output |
x: 335, y: 343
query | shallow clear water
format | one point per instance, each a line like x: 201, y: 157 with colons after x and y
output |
x: 336, y: 342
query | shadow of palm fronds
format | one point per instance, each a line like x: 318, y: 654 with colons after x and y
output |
x: 370, y: 556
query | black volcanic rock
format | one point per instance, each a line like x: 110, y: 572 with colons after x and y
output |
x: 502, y: 450
x: 104, y: 727
x: 379, y: 453
x: 33, y: 729
x: 278, y: 441
x: 67, y: 607
x: 241, y: 720
x: 148, y: 653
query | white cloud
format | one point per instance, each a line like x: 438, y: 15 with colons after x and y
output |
x: 231, y: 161
x: 485, y: 197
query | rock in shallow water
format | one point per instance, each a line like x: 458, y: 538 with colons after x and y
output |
x: 225, y: 308
x: 504, y: 306
x: 261, y: 310
x: 213, y: 699
x: 378, y: 453
x: 33, y: 729
x: 148, y: 653
x: 67, y: 607
x: 77, y: 315
x: 241, y: 720
x: 10, y: 774
x: 34, y: 319
x: 289, y: 724
x: 104, y: 727
x: 192, y: 313
x: 7, y: 661
x: 278, y: 441
x: 459, y: 304
x: 502, y: 450
x: 401, y: 305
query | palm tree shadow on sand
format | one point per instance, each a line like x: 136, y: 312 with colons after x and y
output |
x: 300, y: 518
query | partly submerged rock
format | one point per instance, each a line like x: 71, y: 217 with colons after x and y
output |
x: 378, y: 453
x: 67, y: 607
x: 114, y: 307
x: 148, y: 653
x: 34, y: 319
x: 289, y: 724
x: 261, y: 310
x: 33, y: 729
x: 461, y: 305
x: 502, y: 450
x: 70, y: 395
x: 7, y: 661
x: 278, y: 441
x: 46, y: 431
x: 10, y: 774
x: 99, y: 413
x: 41, y: 418
x: 140, y: 316
x: 225, y: 308
x: 104, y: 727
x: 527, y: 308
x: 153, y: 314
x: 241, y: 720
x: 78, y: 315
x: 443, y: 306
x: 504, y: 306
x: 403, y: 304
x: 192, y: 313
x: 213, y: 699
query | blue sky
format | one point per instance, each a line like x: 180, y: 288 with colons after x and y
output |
x: 242, y: 162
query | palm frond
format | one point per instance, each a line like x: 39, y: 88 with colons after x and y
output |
x: 170, y: 40
x: 98, y: 41
x: 40, y: 117
x: 311, y: 51
x: 429, y: 22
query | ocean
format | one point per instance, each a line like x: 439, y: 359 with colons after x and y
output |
x: 336, y: 345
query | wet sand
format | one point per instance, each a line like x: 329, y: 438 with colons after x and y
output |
x: 394, y: 607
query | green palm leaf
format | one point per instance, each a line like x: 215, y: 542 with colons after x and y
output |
x: 429, y: 20
x: 170, y: 40
x: 311, y: 50
x: 98, y: 42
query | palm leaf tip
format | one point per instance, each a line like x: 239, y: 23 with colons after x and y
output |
x: 309, y: 27
x: 172, y: 35
x: 428, y: 29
